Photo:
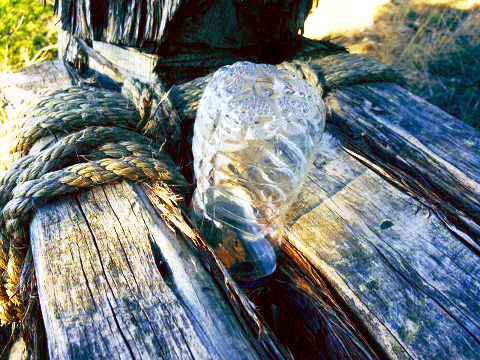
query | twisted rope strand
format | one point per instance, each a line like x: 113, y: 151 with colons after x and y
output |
x: 303, y: 71
x: 91, y: 143
x: 160, y: 120
x: 30, y: 195
x: 77, y: 110
x: 29, y: 183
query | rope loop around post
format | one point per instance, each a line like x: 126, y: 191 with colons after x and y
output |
x: 159, y: 119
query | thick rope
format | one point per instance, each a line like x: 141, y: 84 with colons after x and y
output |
x: 110, y: 154
x: 65, y: 110
x: 344, y: 69
x: 159, y: 119
x: 91, y: 151
x: 303, y: 70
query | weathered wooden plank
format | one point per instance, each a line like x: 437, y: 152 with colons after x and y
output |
x: 128, y: 62
x: 410, y: 281
x: 105, y: 295
x: 114, y: 61
x: 35, y: 77
x: 119, y: 62
x: 435, y: 155
x: 15, y: 88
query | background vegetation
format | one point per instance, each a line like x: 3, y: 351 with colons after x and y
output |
x: 27, y: 33
x: 435, y: 44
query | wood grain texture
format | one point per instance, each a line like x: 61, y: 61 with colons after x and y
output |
x: 114, y: 282
x: 408, y: 279
x: 128, y: 62
x: 436, y: 156
x: 15, y: 88
x: 185, y: 62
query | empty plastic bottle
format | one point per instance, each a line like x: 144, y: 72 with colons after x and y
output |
x: 257, y: 132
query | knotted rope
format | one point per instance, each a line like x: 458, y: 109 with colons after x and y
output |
x: 106, y: 137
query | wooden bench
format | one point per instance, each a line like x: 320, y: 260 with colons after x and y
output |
x: 388, y: 218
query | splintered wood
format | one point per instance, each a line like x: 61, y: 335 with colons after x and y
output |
x: 390, y: 216
x: 393, y: 261
x: 423, y: 149
x: 104, y: 294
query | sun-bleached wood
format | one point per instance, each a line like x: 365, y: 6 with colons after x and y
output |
x: 407, y: 278
x: 389, y: 215
x: 115, y: 282
x: 426, y: 150
x: 433, y: 154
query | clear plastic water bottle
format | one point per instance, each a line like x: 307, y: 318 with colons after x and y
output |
x: 257, y: 132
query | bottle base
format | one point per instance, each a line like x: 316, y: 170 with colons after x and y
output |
x: 236, y: 239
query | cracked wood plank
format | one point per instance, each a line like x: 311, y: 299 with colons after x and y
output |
x: 17, y: 87
x: 115, y: 282
x: 433, y: 154
x: 410, y: 281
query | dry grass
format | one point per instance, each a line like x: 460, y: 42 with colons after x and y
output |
x: 434, y: 43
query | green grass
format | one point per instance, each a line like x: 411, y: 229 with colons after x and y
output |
x: 27, y: 33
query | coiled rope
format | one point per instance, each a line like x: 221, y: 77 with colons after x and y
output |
x: 106, y: 137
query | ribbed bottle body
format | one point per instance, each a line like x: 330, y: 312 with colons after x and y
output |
x: 257, y: 132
